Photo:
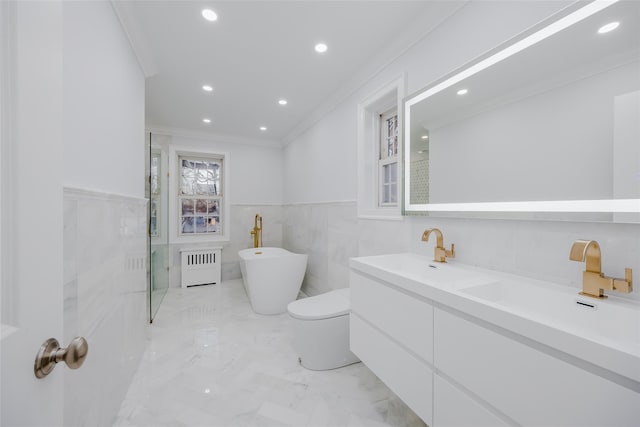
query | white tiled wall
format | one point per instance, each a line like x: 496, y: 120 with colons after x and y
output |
x: 105, y: 295
x: 331, y: 233
x: 538, y: 249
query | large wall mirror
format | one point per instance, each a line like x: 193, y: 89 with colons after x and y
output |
x: 546, y: 125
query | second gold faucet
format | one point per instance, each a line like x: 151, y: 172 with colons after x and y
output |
x: 440, y: 254
x: 594, y: 282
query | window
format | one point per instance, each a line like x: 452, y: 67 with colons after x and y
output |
x: 200, y: 195
x: 155, y: 180
x: 388, y: 159
x: 380, y: 152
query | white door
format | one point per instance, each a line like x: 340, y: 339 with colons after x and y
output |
x: 32, y: 209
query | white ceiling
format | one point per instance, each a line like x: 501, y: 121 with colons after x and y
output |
x: 258, y: 52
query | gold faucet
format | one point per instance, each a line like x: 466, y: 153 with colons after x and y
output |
x: 257, y: 231
x: 594, y: 283
x: 440, y: 253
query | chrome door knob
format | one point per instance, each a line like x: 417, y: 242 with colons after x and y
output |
x: 50, y: 353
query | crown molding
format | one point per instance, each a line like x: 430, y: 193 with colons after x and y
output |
x: 213, y: 137
x: 137, y: 40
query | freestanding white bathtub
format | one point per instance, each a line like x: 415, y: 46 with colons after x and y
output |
x: 272, y: 277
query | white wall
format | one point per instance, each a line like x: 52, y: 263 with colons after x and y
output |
x: 256, y: 171
x: 103, y: 103
x: 314, y: 178
x: 320, y: 165
x: 104, y: 228
x: 255, y: 186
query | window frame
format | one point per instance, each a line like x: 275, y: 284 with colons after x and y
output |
x: 217, y: 197
x: 175, y: 198
x: 368, y: 146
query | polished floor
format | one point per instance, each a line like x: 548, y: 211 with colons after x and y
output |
x: 210, y: 361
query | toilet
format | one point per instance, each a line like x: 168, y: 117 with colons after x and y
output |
x: 321, y: 330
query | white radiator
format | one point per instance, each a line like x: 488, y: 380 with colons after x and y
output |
x: 200, y: 266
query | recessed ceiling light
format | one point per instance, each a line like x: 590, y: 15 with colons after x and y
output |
x: 462, y: 92
x: 263, y: 128
x: 609, y: 27
x: 206, y: 120
x: 209, y: 15
x: 207, y: 88
x: 321, y: 48
x: 425, y: 137
x: 282, y: 102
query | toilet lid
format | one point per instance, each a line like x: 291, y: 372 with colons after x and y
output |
x: 331, y: 304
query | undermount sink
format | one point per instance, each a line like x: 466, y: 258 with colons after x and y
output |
x: 421, y: 269
x: 611, y: 319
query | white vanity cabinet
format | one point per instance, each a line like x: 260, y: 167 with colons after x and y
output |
x: 392, y: 333
x: 454, y: 408
x: 529, y: 383
x: 455, y: 362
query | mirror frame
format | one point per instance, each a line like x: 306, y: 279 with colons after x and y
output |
x: 571, y: 15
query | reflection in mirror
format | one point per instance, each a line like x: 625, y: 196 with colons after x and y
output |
x: 553, y: 127
x: 420, y: 166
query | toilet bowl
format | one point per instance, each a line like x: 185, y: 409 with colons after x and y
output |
x: 321, y: 330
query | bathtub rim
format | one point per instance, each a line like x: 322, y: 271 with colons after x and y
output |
x: 265, y: 252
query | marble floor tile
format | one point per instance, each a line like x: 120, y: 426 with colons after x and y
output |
x: 210, y: 360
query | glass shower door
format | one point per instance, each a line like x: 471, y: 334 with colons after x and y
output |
x: 158, y: 251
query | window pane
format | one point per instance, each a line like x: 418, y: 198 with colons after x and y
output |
x: 201, y: 206
x: 153, y: 220
x: 187, y: 177
x: 393, y: 190
x: 201, y: 224
x: 391, y: 136
x: 187, y: 207
x: 214, y: 183
x: 393, y: 172
x: 155, y: 173
x: 200, y: 176
x: 212, y: 207
x: 385, y: 194
x: 390, y: 173
x: 202, y: 181
x: 187, y: 224
x: 213, y: 224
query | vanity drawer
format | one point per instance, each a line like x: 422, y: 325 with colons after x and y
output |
x: 406, y: 375
x: 453, y: 408
x: 406, y: 319
x: 528, y: 385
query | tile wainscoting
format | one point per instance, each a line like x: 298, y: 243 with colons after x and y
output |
x: 330, y: 233
x: 105, y: 300
x: 537, y: 249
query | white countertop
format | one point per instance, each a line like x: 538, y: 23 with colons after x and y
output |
x: 607, y: 335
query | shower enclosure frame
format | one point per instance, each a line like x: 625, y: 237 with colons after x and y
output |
x: 157, y: 193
